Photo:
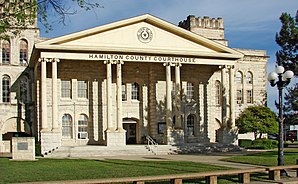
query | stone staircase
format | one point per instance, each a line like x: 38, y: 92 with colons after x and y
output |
x: 93, y: 151
x: 89, y: 151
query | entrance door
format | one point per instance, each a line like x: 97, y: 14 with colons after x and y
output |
x: 130, y: 133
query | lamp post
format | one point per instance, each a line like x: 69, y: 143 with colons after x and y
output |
x: 280, y: 79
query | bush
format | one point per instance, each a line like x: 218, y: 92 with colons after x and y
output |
x: 244, y: 143
x: 263, y: 144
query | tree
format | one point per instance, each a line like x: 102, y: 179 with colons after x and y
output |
x: 287, y: 56
x: 257, y: 119
x: 287, y: 39
x: 20, y: 14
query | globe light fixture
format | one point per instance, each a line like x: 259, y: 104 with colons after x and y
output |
x: 281, y: 79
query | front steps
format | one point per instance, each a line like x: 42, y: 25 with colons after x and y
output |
x: 97, y: 151
x: 94, y: 151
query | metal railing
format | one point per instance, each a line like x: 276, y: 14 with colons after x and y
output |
x: 152, y: 145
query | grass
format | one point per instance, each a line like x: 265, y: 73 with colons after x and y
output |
x: 77, y: 169
x: 268, y: 158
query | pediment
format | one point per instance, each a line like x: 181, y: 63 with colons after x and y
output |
x: 143, y: 34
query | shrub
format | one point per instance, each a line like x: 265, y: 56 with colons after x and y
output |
x: 263, y: 144
x: 244, y: 143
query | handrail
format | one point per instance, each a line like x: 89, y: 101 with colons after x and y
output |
x: 151, y: 144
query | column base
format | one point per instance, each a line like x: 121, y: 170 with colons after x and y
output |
x: 174, y: 137
x: 116, y: 138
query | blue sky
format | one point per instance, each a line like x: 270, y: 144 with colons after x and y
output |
x: 249, y: 24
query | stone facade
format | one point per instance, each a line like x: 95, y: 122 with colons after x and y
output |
x: 118, y: 83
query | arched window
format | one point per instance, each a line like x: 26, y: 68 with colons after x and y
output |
x: 82, y: 127
x: 190, y: 91
x: 23, y: 52
x: 6, y: 89
x: 217, y: 93
x: 249, y: 78
x: 5, y: 52
x: 67, y: 126
x: 190, y: 124
x: 238, y: 77
x: 135, y: 91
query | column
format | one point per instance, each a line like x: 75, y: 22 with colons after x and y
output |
x: 119, y: 96
x: 44, y: 112
x: 224, y: 96
x: 232, y: 96
x: 55, y: 127
x: 177, y: 96
x: 168, y: 96
x: 109, y: 93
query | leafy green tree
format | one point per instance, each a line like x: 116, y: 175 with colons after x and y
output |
x: 257, y: 119
x: 287, y: 56
x: 20, y: 14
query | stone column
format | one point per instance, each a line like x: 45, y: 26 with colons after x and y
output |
x: 119, y: 96
x: 109, y: 94
x: 232, y: 96
x: 44, y: 112
x: 55, y: 127
x: 224, y: 96
x: 177, y: 96
x: 168, y: 96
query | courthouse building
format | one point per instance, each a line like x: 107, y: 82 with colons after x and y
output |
x: 118, y: 83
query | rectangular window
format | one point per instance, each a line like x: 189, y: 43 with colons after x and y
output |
x: 23, y: 57
x: 189, y: 91
x: 82, y: 129
x: 5, y: 56
x: 82, y: 89
x: 65, y: 89
x: 135, y: 91
x: 249, y: 96
x: 239, y: 97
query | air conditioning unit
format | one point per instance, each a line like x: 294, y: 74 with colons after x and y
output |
x: 83, y: 135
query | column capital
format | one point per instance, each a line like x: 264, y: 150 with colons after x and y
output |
x: 48, y: 60
x: 168, y: 64
x: 113, y: 62
x: 178, y: 64
x: 119, y: 62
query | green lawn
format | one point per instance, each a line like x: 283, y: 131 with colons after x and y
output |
x: 76, y: 169
x: 268, y: 158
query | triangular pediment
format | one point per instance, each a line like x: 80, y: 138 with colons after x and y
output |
x: 144, y: 34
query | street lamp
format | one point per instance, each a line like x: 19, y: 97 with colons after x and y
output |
x: 282, y: 80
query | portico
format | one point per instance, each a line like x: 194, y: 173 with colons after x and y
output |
x: 141, y: 68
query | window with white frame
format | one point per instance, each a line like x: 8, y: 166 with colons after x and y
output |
x: 23, y: 52
x: 190, y: 124
x: 65, y: 89
x: 239, y: 97
x: 6, y: 89
x: 238, y: 77
x: 124, y: 92
x: 67, y: 126
x: 135, y: 91
x: 83, y: 127
x: 5, y: 52
x: 249, y: 96
x: 189, y: 91
x: 217, y: 93
x: 249, y: 78
x: 82, y: 89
